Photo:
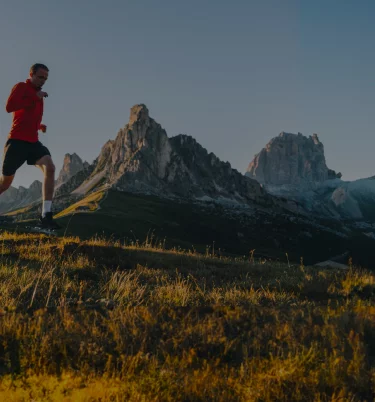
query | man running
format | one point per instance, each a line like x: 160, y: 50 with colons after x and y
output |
x: 26, y: 103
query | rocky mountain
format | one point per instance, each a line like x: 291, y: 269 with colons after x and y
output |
x: 15, y: 198
x: 290, y: 173
x: 142, y: 159
x: 353, y: 200
x: 294, y: 167
x: 291, y: 159
x: 71, y: 166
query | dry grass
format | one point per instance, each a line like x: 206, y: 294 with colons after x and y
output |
x: 91, y: 202
x: 105, y: 321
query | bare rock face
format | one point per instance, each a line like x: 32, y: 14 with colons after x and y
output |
x: 35, y: 190
x: 143, y: 159
x: 193, y: 172
x: 71, y: 166
x: 291, y: 159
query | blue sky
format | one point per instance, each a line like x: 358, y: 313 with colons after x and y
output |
x: 231, y: 74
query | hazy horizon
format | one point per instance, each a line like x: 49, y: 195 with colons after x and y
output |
x: 233, y: 76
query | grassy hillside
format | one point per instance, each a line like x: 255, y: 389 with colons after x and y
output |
x: 94, y: 320
x: 88, y: 204
x: 133, y: 217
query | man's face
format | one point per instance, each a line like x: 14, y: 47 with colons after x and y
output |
x: 39, y: 78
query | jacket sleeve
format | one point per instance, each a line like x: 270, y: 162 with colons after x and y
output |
x: 20, y: 99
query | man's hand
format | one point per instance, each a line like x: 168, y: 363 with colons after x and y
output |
x: 43, y: 128
x: 41, y: 94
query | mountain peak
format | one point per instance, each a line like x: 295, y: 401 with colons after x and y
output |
x: 72, y: 165
x: 291, y: 159
x: 72, y: 158
x: 139, y: 114
x: 143, y: 159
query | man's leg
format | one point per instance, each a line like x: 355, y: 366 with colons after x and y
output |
x: 5, y: 182
x: 48, y: 168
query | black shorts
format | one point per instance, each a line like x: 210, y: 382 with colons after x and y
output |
x: 17, y: 152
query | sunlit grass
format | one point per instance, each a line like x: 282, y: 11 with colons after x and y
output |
x: 91, y: 202
x: 123, y: 321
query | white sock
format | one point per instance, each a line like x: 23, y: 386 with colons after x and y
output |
x: 46, y: 207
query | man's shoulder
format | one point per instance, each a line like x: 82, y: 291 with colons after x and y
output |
x: 20, y: 84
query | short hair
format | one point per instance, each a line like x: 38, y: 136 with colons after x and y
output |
x: 35, y: 67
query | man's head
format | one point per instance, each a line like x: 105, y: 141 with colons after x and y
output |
x: 38, y: 74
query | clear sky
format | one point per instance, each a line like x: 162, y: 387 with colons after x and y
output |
x: 233, y: 74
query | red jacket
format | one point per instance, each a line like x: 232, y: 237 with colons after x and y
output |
x: 27, y: 110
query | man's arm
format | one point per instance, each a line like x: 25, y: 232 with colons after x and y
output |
x: 19, y: 99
